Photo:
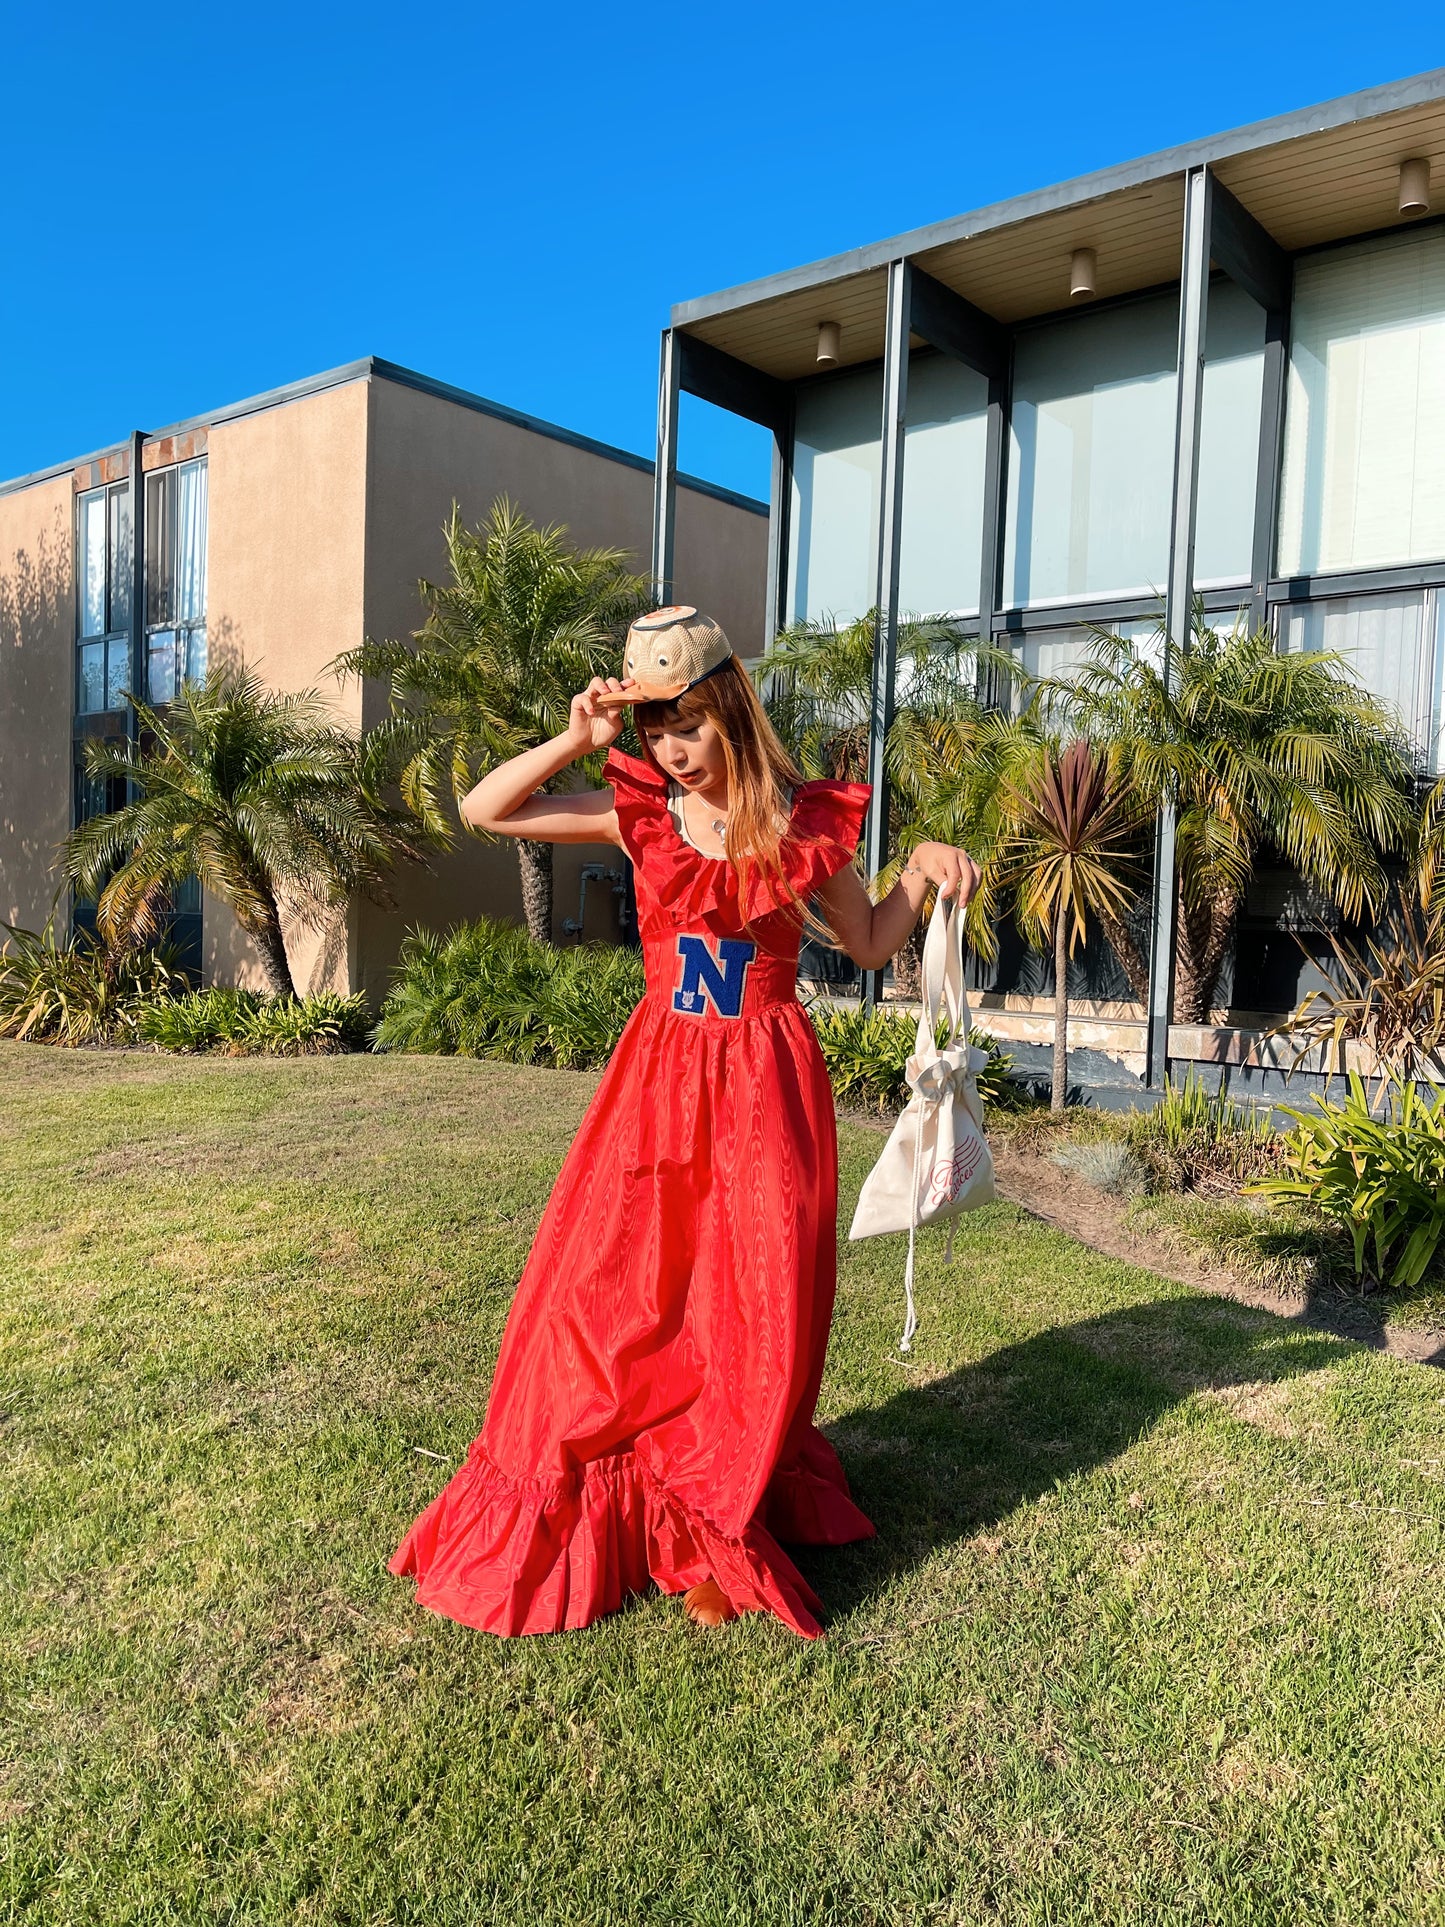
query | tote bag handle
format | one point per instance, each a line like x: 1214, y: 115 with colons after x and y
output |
x: 942, y: 986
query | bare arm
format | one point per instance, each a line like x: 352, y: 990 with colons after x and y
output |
x: 870, y: 933
x: 506, y: 803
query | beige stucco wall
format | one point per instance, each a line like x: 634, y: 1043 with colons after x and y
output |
x: 286, y: 563
x: 427, y: 452
x: 37, y: 642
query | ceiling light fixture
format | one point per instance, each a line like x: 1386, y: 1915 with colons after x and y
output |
x: 1415, y: 185
x: 830, y: 344
x: 1083, y: 272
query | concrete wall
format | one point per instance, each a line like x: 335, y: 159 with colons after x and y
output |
x: 37, y: 647
x: 285, y: 591
x: 427, y: 452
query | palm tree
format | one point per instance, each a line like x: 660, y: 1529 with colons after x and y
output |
x: 818, y: 681
x: 1068, y: 850
x: 1254, y: 749
x: 525, y: 621
x: 262, y: 796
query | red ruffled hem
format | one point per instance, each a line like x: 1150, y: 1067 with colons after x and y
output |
x: 824, y: 827
x: 512, y: 1556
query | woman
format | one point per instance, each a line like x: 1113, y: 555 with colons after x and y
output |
x: 651, y: 1416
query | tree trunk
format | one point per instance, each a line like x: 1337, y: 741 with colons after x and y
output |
x: 272, y: 946
x: 1132, y: 960
x: 536, y: 865
x: 908, y: 965
x: 1202, y: 938
x: 1061, y: 1009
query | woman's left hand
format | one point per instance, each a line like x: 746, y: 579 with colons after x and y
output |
x: 954, y: 871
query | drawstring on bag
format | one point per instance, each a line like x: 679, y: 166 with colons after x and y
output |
x: 936, y: 1162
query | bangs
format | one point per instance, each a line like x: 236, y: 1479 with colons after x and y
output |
x: 682, y: 712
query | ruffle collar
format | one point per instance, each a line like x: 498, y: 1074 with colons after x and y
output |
x: 684, y: 883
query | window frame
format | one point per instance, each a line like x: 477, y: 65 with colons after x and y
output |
x: 182, y: 631
x: 115, y: 638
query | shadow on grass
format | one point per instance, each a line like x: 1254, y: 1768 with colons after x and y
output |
x: 945, y: 1459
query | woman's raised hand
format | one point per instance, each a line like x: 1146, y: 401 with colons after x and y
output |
x: 589, y: 724
x: 954, y: 871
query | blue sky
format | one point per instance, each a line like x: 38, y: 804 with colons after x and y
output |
x: 199, y: 204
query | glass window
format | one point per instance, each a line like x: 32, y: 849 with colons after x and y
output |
x: 1054, y: 652
x: 92, y: 569
x: 120, y: 558
x: 837, y: 469
x: 1229, y: 438
x: 1091, y: 462
x: 161, y: 665
x: 1392, y: 643
x: 117, y: 673
x: 190, y: 564
x: 944, y: 452
x: 1364, y: 462
x: 90, y: 682
x: 103, y: 568
x: 176, y: 523
x: 160, y: 535
x: 837, y: 465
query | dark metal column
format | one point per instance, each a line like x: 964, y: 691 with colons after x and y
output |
x: 137, y: 582
x: 1179, y: 604
x: 664, y: 476
x: 890, y: 543
x: 1252, y: 258
x: 1271, y: 454
x: 779, y: 531
x: 995, y: 478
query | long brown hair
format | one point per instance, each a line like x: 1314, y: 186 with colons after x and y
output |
x: 760, y: 773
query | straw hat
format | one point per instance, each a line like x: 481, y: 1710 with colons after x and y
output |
x: 667, y: 653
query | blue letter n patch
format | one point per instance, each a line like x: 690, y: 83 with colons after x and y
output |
x: 718, y: 979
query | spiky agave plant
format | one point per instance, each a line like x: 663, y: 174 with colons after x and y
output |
x: 1069, y: 850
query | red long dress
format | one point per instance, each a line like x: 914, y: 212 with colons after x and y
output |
x: 651, y: 1417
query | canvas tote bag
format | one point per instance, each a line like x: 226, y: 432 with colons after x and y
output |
x: 937, y: 1163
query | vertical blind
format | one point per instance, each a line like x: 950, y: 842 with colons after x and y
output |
x: 1364, y: 466
x: 1390, y: 643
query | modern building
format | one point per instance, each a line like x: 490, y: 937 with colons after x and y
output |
x: 282, y: 531
x: 1217, y: 370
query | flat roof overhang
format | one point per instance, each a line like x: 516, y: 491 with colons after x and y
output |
x: 1319, y: 175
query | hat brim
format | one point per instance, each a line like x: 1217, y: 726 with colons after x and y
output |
x: 641, y: 692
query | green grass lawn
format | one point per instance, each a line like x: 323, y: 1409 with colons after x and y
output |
x: 1152, y: 1631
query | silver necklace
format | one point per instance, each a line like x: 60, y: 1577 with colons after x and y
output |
x: 717, y: 824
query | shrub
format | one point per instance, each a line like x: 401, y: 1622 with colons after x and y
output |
x: 1381, y: 1178
x: 867, y: 1053
x: 205, y: 1020
x: 488, y: 990
x: 246, y: 1023
x: 319, y: 1026
x: 79, y: 992
x: 590, y: 994
x: 1196, y: 1138
x: 1115, y: 1168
